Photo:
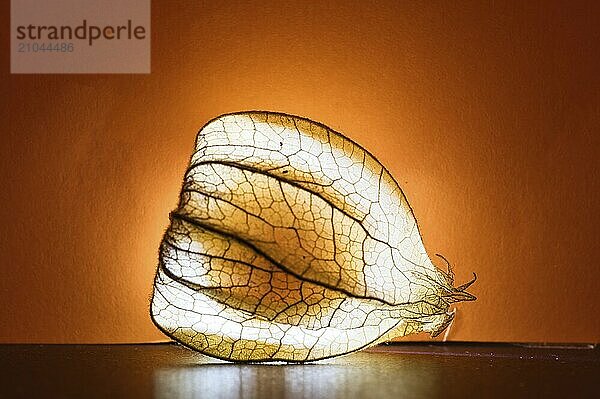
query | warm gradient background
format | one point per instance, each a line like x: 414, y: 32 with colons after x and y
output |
x: 487, y: 115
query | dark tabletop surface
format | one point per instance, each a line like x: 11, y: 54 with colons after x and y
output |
x: 416, y: 370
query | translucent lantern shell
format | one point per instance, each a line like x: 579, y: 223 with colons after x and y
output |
x: 292, y: 243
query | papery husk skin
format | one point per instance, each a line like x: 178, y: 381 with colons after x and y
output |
x: 293, y: 243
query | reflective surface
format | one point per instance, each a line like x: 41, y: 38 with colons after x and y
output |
x: 403, y: 370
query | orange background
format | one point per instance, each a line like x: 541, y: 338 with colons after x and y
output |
x: 488, y: 116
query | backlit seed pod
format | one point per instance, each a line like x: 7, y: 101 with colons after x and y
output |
x: 293, y: 243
